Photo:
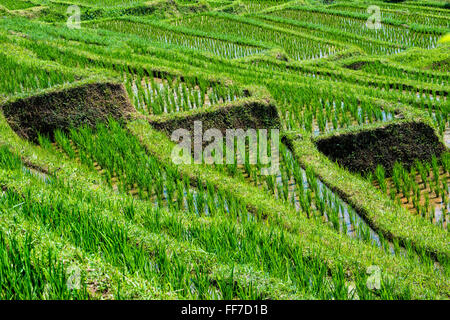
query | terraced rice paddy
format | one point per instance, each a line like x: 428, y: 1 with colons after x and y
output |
x: 93, y: 204
x: 298, y: 47
x: 389, y: 33
x: 150, y: 32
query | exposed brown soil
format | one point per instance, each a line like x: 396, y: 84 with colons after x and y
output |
x: 363, y: 151
x: 356, y: 65
x: 441, y: 65
x: 255, y: 114
x: 35, y: 167
x: 84, y: 105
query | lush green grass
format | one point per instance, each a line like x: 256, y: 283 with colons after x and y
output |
x: 108, y: 201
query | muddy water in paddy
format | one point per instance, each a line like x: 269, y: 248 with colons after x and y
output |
x: 40, y: 174
x: 347, y: 215
x: 348, y: 220
x: 439, y: 207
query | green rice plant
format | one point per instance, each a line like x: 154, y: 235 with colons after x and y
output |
x: 422, y: 172
x: 381, y: 178
x: 364, y: 232
x: 28, y: 76
x: 162, y: 34
x: 435, y: 167
x: 353, y: 24
x: 8, y: 160
x: 299, y: 46
x: 427, y: 204
x: 44, y: 141
x: 446, y: 161
x: 392, y: 193
x: 63, y: 141
x: 29, y: 275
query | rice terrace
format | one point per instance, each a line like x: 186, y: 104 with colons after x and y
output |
x: 224, y: 150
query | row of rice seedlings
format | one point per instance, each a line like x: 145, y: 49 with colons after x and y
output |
x: 417, y: 93
x: 58, y: 55
x: 425, y: 6
x: 22, y: 78
x: 99, y: 53
x: 258, y: 5
x: 274, y: 254
x: 302, y: 109
x: 331, y: 33
x: 301, y: 189
x: 389, y: 33
x: 431, y: 95
x: 126, y: 167
x: 28, y: 275
x: 378, y: 68
x: 405, y: 93
x: 437, y: 109
x: 435, y: 99
x: 84, y: 59
x: 9, y: 161
x: 79, y: 54
x: 399, y: 13
x: 441, y: 118
x: 423, y: 189
x: 297, y: 47
x: 140, y: 89
x: 275, y: 263
x: 311, y: 195
x: 218, y: 47
x: 109, y: 3
x: 278, y: 257
x: 168, y: 95
x: 420, y: 99
x: 215, y: 4
x: 402, y: 91
x: 239, y: 162
x: 91, y: 232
